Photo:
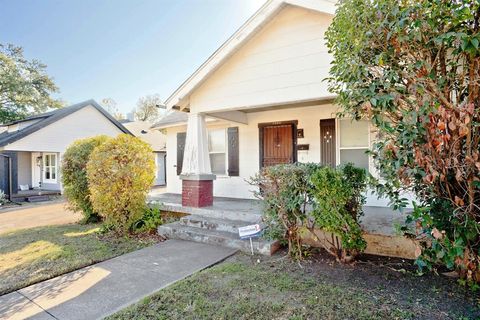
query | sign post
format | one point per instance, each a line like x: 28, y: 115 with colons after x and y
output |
x: 249, y: 232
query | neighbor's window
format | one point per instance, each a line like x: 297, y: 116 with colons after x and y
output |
x: 354, y: 141
x: 50, y: 167
x: 217, y: 147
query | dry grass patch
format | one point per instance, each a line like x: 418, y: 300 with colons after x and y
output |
x: 32, y: 255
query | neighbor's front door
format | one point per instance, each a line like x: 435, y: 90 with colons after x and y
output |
x: 277, y: 144
x: 36, y: 169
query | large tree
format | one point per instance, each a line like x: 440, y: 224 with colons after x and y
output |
x: 148, y: 108
x: 25, y: 87
x: 413, y: 68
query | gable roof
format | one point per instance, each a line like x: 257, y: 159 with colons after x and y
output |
x: 171, y: 118
x: 271, y: 8
x: 50, y: 117
x: 144, y: 131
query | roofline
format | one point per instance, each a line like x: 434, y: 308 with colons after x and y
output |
x: 60, y: 115
x: 108, y: 116
x: 34, y: 117
x: 232, y: 44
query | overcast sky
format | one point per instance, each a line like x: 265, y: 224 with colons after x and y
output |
x: 120, y: 49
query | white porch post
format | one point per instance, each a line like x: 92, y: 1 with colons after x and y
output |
x: 196, y: 159
x: 197, y: 177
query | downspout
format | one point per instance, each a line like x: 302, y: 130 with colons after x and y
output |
x: 9, y: 176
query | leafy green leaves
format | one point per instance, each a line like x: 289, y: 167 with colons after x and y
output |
x: 25, y: 88
x: 413, y: 69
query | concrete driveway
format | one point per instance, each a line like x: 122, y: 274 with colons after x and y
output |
x: 36, y: 216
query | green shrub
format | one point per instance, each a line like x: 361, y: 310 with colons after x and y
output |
x: 151, y: 219
x: 339, y: 198
x: 120, y: 174
x: 3, y: 198
x: 285, y: 191
x: 74, y: 176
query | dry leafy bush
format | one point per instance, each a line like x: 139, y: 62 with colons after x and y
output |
x: 74, y: 176
x: 120, y: 174
x: 413, y: 68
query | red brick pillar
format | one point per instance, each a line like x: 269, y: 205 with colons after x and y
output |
x: 197, y: 190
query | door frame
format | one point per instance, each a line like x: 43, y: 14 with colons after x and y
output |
x: 262, y: 125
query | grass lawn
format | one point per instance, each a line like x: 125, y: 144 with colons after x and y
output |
x: 32, y: 255
x: 276, y: 288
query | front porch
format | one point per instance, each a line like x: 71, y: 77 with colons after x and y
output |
x: 30, y: 174
x: 378, y: 223
x: 34, y: 195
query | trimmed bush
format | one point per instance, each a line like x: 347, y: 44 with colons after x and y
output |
x: 299, y: 198
x: 285, y: 191
x: 339, y: 198
x: 120, y: 174
x: 74, y: 176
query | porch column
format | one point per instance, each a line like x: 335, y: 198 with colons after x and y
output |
x: 197, y: 178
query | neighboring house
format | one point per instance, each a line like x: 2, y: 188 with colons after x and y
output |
x: 36, y: 144
x: 264, y: 93
x: 157, y: 140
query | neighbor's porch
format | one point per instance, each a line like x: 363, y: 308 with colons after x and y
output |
x: 378, y: 223
x: 32, y: 173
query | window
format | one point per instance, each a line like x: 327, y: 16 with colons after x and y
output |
x: 50, y: 168
x: 354, y: 142
x: 217, y: 147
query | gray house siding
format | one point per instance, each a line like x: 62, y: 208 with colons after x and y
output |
x: 4, y: 172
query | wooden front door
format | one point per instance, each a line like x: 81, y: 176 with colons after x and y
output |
x: 328, y: 143
x: 277, y: 144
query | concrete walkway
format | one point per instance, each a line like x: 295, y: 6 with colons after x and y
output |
x: 107, y: 287
x: 36, y: 216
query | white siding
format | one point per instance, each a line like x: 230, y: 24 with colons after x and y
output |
x: 285, y: 62
x: 249, y: 147
x: 56, y: 137
x: 308, y: 119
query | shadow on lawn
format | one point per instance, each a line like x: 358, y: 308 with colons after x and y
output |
x: 33, y: 255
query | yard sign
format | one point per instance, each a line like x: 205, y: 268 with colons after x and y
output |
x: 249, y: 232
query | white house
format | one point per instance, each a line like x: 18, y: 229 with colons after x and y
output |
x: 259, y: 100
x: 156, y: 140
x: 35, y: 145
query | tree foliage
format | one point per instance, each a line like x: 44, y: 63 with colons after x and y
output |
x: 74, y: 176
x: 120, y: 174
x: 25, y: 87
x: 339, y: 199
x: 413, y: 68
x: 148, y: 108
x: 110, y: 106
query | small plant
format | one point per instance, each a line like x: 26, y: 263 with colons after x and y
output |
x: 3, y: 198
x: 339, y: 198
x: 285, y: 191
x: 151, y: 219
x: 120, y: 174
x: 74, y: 176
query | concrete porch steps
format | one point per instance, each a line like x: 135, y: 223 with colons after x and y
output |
x: 211, y: 230
x: 216, y: 224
